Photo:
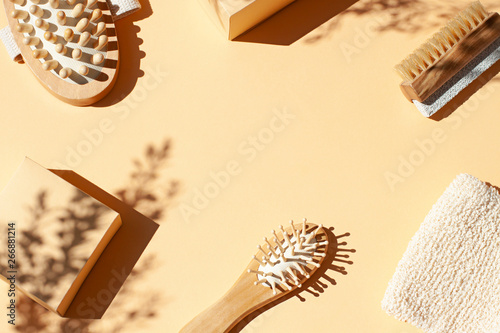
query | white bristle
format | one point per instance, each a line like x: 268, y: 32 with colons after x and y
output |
x: 263, y: 252
x: 422, y: 53
x: 440, y: 49
x: 273, y: 252
x: 267, y: 261
x: 431, y: 50
x: 313, y: 263
x: 449, y: 35
x: 256, y: 259
x: 444, y: 41
x: 256, y: 272
x: 289, y: 262
x: 285, y: 236
x: 294, y: 232
x: 278, y: 244
x: 462, y: 25
x: 260, y: 281
x: 441, y: 42
x: 478, y: 8
x: 318, y: 229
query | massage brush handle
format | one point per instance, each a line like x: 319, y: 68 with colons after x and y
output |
x: 242, y: 299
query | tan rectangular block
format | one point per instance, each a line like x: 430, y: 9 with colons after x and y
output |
x: 237, y: 16
x: 60, y: 232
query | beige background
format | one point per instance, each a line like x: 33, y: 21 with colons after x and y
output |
x: 351, y: 126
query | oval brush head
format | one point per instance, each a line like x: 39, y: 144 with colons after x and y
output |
x: 282, y: 264
x: 289, y: 258
x: 69, y: 45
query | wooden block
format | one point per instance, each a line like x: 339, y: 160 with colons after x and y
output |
x: 235, y: 17
x: 49, y: 213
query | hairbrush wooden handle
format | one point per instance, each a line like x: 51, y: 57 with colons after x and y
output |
x: 242, y: 299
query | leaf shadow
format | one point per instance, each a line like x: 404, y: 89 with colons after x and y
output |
x: 404, y: 16
x: 146, y: 191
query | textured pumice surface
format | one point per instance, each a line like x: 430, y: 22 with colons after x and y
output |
x: 460, y: 81
x: 449, y: 277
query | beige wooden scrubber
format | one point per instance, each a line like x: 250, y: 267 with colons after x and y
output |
x: 70, y: 45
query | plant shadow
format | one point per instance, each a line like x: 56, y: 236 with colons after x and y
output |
x: 294, y: 21
x: 145, y: 191
x: 334, y: 261
x: 316, y: 20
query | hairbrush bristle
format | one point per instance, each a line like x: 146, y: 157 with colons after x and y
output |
x: 441, y: 42
x: 288, y: 261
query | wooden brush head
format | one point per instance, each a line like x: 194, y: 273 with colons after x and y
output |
x: 70, y: 46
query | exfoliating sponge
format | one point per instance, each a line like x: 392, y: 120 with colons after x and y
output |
x: 449, y: 277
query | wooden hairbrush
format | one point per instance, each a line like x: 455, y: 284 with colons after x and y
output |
x: 70, y: 46
x: 282, y: 265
